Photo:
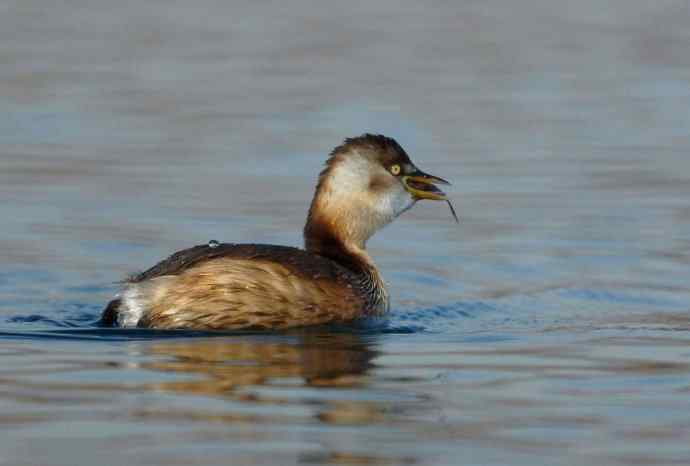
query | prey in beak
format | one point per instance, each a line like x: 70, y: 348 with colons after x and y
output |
x: 423, y: 186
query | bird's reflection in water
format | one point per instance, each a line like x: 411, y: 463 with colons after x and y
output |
x: 241, y: 368
x: 271, y: 390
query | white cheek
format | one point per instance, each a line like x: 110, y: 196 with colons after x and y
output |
x: 351, y: 176
x: 396, y: 202
x: 405, y: 201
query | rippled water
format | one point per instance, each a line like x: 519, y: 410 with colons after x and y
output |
x: 552, y: 326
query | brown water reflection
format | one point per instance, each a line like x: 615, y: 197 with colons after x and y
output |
x: 331, y: 360
x: 309, y: 379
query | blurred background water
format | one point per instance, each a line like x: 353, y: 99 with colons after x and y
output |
x: 552, y: 326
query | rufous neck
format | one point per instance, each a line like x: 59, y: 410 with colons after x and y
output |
x: 324, y: 240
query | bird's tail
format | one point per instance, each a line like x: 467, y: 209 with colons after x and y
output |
x: 110, y: 314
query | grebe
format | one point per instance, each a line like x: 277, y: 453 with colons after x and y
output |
x: 367, y: 182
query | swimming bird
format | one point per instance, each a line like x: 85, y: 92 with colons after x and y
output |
x: 367, y: 182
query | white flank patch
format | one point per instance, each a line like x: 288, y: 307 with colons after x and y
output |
x: 132, y: 306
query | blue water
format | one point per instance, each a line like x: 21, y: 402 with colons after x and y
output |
x: 550, y: 327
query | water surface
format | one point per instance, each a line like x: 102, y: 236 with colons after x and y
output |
x: 552, y: 326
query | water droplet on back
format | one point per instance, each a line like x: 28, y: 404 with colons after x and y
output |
x: 213, y: 244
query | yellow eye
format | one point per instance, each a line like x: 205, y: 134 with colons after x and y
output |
x: 395, y: 169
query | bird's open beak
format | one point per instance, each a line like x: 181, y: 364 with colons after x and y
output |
x: 423, y: 186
